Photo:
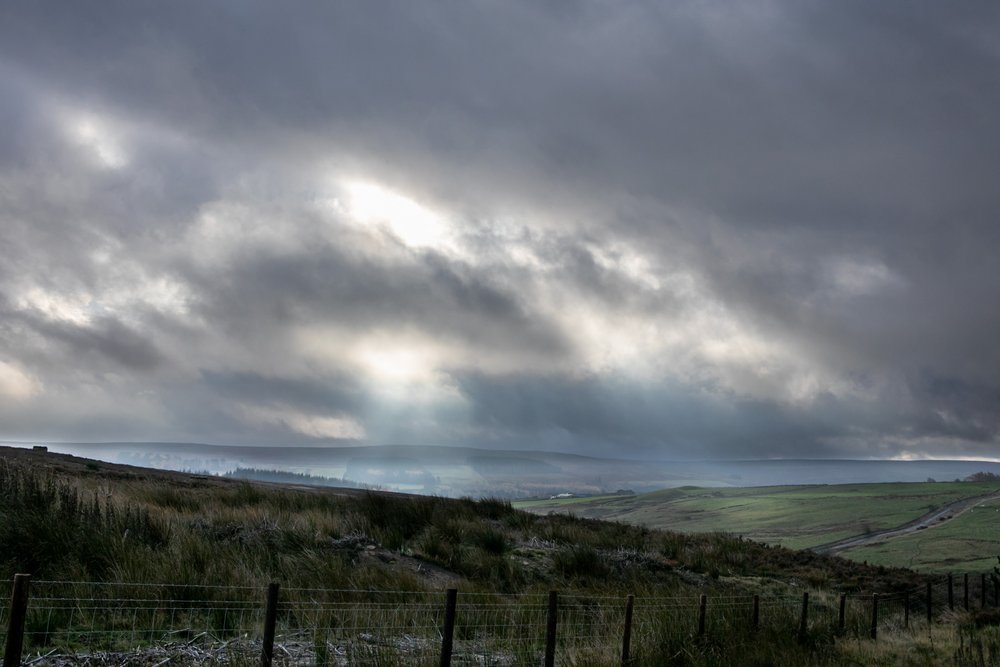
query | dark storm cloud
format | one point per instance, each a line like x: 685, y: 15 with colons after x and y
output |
x: 340, y: 394
x: 756, y: 229
x: 107, y: 337
x: 442, y: 297
x: 600, y: 414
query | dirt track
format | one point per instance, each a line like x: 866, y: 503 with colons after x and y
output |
x: 928, y: 521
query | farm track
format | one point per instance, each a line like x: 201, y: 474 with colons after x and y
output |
x: 937, y: 517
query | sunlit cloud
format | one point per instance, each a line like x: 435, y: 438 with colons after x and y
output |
x: 310, y: 425
x: 16, y: 384
x: 68, y: 306
x: 412, y: 223
x: 860, y: 277
x: 98, y: 137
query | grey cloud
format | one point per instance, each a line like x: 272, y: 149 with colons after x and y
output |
x: 441, y: 297
x: 335, y: 395
x: 601, y: 414
x: 107, y: 336
x: 749, y: 148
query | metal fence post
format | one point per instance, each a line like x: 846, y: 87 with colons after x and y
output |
x: 951, y: 592
x: 448, y: 632
x: 930, y: 613
x: 702, y: 603
x: 756, y: 612
x: 874, y: 629
x: 550, y: 630
x: 982, y: 590
x: 965, y: 590
x: 906, y: 609
x: 842, y: 615
x: 270, y: 620
x: 15, y: 623
x: 627, y: 632
x: 804, y: 620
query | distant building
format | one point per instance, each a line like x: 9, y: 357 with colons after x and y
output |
x: 40, y: 448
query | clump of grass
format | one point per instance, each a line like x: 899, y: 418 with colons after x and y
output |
x: 47, y: 524
x: 579, y: 562
x: 490, y: 539
x: 395, y: 520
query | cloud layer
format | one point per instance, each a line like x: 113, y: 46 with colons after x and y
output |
x: 622, y: 228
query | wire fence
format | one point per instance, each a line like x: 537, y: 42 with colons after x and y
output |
x: 93, y: 623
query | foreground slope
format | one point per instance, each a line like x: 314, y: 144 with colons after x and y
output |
x: 69, y: 519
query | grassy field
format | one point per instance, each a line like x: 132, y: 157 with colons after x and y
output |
x: 792, y: 516
x: 969, y: 542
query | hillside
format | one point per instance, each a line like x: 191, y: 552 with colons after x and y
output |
x: 814, y: 515
x: 515, y: 474
x: 70, y: 519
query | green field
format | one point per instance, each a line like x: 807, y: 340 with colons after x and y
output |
x: 807, y: 516
x: 970, y: 542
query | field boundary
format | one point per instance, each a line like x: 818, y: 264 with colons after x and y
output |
x: 98, y: 623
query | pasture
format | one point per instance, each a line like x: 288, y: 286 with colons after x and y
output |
x: 807, y: 516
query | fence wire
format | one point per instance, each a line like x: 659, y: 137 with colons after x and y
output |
x: 77, y: 623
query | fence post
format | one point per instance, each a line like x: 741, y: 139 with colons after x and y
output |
x: 930, y: 613
x: 270, y: 619
x: 550, y: 630
x: 965, y: 590
x: 627, y: 632
x: 906, y: 609
x: 702, y: 602
x: 996, y: 591
x: 15, y: 622
x: 448, y: 632
x: 951, y: 592
x: 804, y: 620
x: 982, y: 591
x: 756, y: 612
x: 874, y: 632
x: 842, y: 615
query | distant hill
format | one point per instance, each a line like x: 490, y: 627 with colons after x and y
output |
x: 470, y: 471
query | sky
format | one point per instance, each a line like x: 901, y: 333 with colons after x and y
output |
x: 688, y: 229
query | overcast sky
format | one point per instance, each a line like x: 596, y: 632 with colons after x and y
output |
x: 656, y: 229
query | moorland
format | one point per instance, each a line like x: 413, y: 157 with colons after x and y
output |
x: 69, y: 519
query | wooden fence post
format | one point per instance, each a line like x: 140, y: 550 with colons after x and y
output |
x: 930, y: 612
x: 951, y: 592
x: 906, y: 609
x: 448, y: 632
x: 627, y: 631
x: 804, y: 620
x: 702, y: 603
x: 270, y: 620
x: 550, y: 630
x: 965, y: 590
x: 874, y: 630
x: 842, y: 615
x: 15, y: 622
x: 756, y: 612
